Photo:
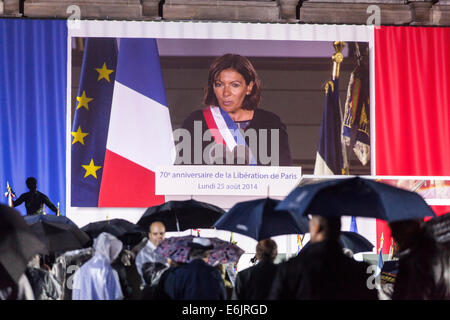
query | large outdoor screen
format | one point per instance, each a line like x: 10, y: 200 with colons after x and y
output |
x: 227, y: 111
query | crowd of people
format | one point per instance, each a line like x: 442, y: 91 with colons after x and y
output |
x: 320, y: 271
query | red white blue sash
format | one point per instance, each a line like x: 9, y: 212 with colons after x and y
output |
x: 223, y: 129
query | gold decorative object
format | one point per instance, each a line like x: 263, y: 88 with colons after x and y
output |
x: 338, y: 57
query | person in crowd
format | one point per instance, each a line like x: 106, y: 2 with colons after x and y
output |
x: 254, y: 283
x: 44, y: 284
x: 154, y: 286
x: 130, y: 280
x: 147, y: 255
x: 424, y: 267
x: 196, y: 280
x: 34, y: 200
x: 404, y: 234
x: 11, y: 290
x: 96, y: 279
x: 231, y: 103
x: 65, y: 266
x: 322, y: 271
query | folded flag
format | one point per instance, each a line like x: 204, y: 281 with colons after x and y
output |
x: 329, y: 157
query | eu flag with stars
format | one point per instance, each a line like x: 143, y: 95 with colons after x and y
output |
x: 91, y: 120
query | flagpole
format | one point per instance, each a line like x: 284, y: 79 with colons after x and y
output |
x: 338, y: 57
x: 391, y: 251
x: 9, y: 194
x: 381, y: 242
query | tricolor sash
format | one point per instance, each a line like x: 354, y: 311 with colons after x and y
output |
x: 224, y: 130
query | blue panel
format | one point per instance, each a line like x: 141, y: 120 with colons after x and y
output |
x: 33, y: 78
x: 143, y: 72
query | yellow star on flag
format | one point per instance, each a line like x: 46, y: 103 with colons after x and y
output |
x: 83, y: 101
x: 79, y: 136
x: 91, y: 169
x: 103, y: 72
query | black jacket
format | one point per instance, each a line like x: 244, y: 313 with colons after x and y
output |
x: 34, y: 202
x: 322, y: 272
x: 254, y: 283
x: 262, y: 119
x: 195, y: 280
x: 424, y: 271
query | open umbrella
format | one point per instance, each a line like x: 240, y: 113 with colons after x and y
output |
x: 182, y: 215
x: 259, y: 220
x: 127, y: 232
x: 356, y: 197
x: 177, y: 249
x: 60, y: 237
x: 18, y: 244
x: 48, y: 217
x: 353, y: 241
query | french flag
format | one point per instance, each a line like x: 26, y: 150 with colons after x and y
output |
x: 140, y: 132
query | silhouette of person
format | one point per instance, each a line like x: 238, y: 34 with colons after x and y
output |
x: 254, y: 283
x: 34, y: 200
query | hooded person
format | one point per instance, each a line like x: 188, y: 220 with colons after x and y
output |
x: 44, y: 284
x: 96, y: 279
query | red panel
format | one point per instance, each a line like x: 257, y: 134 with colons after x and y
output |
x: 412, y: 80
x: 440, y: 210
x: 127, y: 184
x: 412, y: 115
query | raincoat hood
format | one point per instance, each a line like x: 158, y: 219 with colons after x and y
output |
x: 107, y: 246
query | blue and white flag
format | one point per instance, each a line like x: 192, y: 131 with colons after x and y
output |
x: 380, y: 259
x: 353, y: 225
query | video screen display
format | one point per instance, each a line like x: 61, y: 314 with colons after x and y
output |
x: 143, y: 104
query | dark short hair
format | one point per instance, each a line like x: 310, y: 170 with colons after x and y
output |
x: 198, y: 253
x: 331, y: 226
x: 31, y: 183
x: 266, y: 250
x: 405, y: 232
x: 245, y: 68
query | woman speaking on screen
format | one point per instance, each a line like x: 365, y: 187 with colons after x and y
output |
x: 231, y: 129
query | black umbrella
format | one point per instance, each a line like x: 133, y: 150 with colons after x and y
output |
x: 182, y: 215
x: 18, y: 244
x: 127, y: 232
x: 60, y: 237
x: 48, y: 217
x: 258, y: 219
x: 356, y: 197
x: 353, y: 241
